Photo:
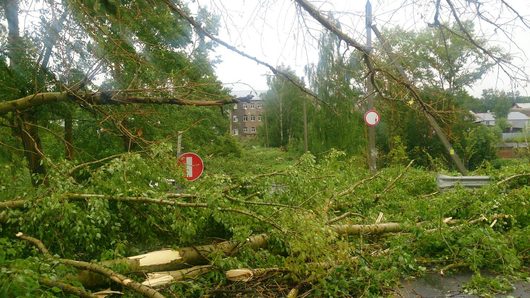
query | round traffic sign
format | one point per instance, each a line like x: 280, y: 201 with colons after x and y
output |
x: 192, y: 165
x: 371, y: 117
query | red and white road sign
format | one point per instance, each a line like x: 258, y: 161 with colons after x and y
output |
x: 192, y: 164
x: 371, y: 117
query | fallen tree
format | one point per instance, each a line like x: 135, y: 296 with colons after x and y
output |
x: 102, y: 98
x: 163, y: 278
x: 171, y: 259
x: 92, y: 267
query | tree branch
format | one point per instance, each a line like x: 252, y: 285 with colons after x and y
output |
x: 102, y: 98
x: 393, y: 182
x: 66, y: 288
x: 273, y: 69
x: 116, y: 277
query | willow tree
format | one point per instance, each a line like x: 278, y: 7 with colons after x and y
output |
x: 337, y: 121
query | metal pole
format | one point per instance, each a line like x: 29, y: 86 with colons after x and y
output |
x: 179, y: 143
x: 372, y: 153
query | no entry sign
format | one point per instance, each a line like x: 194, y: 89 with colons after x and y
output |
x: 371, y: 118
x: 192, y: 164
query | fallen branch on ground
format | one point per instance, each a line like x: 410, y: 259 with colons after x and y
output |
x: 393, y: 182
x: 512, y: 177
x: 116, y: 277
x: 389, y: 227
x: 13, y: 204
x: 171, y: 259
x: 66, y: 288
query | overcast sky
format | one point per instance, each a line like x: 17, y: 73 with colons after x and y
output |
x: 275, y: 32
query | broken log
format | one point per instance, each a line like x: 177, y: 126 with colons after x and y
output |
x: 97, y: 268
x: 170, y: 259
x: 389, y: 227
x: 159, y: 279
x: 246, y: 274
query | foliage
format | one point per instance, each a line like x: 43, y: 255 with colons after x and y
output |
x: 439, y: 57
x: 313, y: 255
x: 283, y: 117
x: 123, y: 193
x: 335, y: 122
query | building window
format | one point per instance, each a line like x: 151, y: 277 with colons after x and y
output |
x: 253, y: 129
x: 259, y: 117
x: 245, y: 118
x: 234, y: 118
x: 251, y: 105
x: 245, y: 129
x: 258, y: 106
x: 235, y: 132
x: 252, y: 118
x: 245, y: 106
x: 235, y: 106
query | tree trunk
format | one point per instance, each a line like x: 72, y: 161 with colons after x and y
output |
x: 25, y: 122
x: 29, y: 135
x: 170, y: 259
x: 68, y: 137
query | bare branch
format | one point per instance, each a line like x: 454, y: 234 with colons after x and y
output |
x: 519, y: 16
x: 467, y: 36
x: 273, y: 69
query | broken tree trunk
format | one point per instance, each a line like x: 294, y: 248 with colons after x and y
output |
x: 246, y: 274
x: 159, y: 279
x: 104, y: 271
x: 389, y: 227
x: 169, y: 259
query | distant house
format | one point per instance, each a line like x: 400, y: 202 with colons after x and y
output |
x: 246, y: 117
x: 521, y: 108
x: 487, y: 118
x: 518, y: 121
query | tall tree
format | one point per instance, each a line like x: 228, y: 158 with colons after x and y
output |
x: 283, y: 116
x: 338, y: 122
x: 438, y: 56
x: 141, y: 51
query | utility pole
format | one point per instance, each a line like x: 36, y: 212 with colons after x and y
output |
x: 372, y: 153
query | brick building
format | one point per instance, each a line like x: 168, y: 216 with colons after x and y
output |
x: 246, y: 117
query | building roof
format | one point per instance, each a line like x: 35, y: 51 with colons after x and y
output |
x: 521, y: 105
x: 243, y: 93
x: 484, y: 116
x: 517, y: 116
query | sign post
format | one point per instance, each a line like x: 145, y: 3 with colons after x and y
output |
x: 192, y: 164
x: 372, y: 152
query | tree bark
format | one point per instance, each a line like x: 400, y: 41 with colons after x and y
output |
x: 116, y: 277
x: 102, y: 98
x: 25, y: 129
x: 168, y: 260
x: 68, y: 137
x: 159, y: 279
x: 390, y: 227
